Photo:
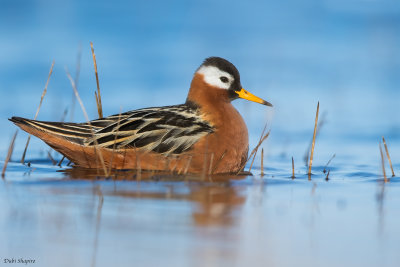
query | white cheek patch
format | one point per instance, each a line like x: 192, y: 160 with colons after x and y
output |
x: 212, y: 76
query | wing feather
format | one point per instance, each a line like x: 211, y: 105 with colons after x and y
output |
x: 166, y: 130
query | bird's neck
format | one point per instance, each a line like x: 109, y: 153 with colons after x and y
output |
x: 214, y: 103
x: 205, y: 96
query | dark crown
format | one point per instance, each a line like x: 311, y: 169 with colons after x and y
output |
x: 223, y: 65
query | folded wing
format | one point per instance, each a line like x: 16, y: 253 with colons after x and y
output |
x: 165, y: 130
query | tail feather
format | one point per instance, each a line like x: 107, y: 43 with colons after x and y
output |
x: 74, y: 132
x: 66, y: 138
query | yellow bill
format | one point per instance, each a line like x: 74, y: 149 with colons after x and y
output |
x: 249, y: 96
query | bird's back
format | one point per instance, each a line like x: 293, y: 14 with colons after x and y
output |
x: 165, y: 130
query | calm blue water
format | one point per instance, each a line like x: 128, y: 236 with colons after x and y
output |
x: 293, y: 53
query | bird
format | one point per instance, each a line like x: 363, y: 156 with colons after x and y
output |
x: 206, y: 134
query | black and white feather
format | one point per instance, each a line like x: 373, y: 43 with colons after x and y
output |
x: 165, y: 130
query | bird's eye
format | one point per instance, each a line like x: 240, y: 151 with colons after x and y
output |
x: 223, y: 79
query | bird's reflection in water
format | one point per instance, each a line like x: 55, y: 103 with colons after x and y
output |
x: 216, y: 204
x: 216, y: 198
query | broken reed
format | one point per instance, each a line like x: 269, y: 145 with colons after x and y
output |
x: 88, y: 122
x: 51, y: 157
x: 77, y: 74
x: 61, y: 161
x: 210, y: 167
x: 203, y: 173
x: 388, y: 156
x: 293, y: 169
x: 254, y: 151
x: 37, y: 111
x: 383, y: 163
x: 97, y: 94
x: 115, y: 140
x: 218, y: 162
x: 329, y: 161
x: 262, y: 161
x: 313, y: 143
x: 321, y: 123
x: 9, y: 153
x: 327, y: 175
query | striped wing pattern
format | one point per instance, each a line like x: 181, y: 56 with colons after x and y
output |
x: 75, y: 132
x: 165, y: 130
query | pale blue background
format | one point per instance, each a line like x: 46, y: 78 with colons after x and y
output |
x: 344, y: 53
x: 292, y: 53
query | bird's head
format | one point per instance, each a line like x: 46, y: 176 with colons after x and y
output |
x: 219, y: 74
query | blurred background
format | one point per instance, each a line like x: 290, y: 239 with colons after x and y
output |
x: 343, y: 53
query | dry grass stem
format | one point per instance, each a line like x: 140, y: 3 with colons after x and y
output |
x: 61, y: 161
x: 138, y: 169
x: 64, y: 115
x: 256, y: 148
x: 388, y: 156
x: 37, y: 111
x: 254, y: 152
x: 329, y: 161
x: 97, y: 160
x: 78, y: 65
x: 204, y: 171
x: 77, y: 73
x: 97, y: 94
x: 211, y: 164
x: 51, y: 157
x: 172, y: 170
x: 9, y: 153
x: 115, y: 139
x: 187, y: 165
x: 218, y: 161
x: 88, y: 121
x: 313, y: 143
x: 167, y: 162
x: 293, y: 169
x: 383, y: 163
x: 262, y: 161
x: 86, y: 159
x: 327, y: 175
x: 321, y: 123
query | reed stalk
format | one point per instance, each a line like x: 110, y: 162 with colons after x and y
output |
x: 37, y: 111
x: 204, y: 170
x: 293, y: 169
x: 138, y: 169
x: 88, y: 122
x: 329, y: 161
x: 115, y: 140
x: 256, y: 148
x: 262, y: 162
x: 211, y: 164
x: 9, y: 154
x: 388, y: 156
x: 321, y: 123
x: 327, y: 175
x: 97, y: 94
x: 383, y: 163
x: 313, y: 143
x: 218, y: 161
x: 51, y: 157
x: 61, y: 161
x: 187, y: 165
x: 77, y: 74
